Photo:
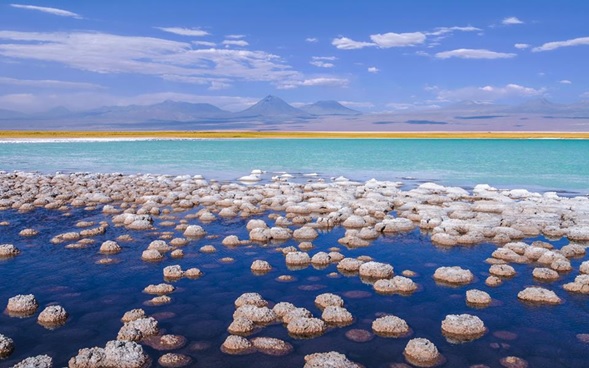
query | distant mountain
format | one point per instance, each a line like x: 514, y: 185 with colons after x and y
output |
x: 328, y: 108
x: 167, y: 110
x: 9, y: 114
x: 272, y: 107
x: 538, y: 106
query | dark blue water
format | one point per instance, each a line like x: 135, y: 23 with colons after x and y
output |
x: 96, y: 296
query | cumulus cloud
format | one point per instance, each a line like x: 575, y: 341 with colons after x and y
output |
x: 48, y: 83
x: 565, y: 81
x: 312, y: 39
x: 549, y: 46
x: 193, y: 32
x: 486, y: 93
x: 344, y: 43
x: 391, y: 39
x: 521, y: 46
x: 240, y: 43
x: 54, y: 11
x: 373, y: 69
x: 511, y: 21
x: 323, y: 61
x: 474, y: 54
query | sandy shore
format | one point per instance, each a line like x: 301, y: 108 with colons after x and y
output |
x: 26, y: 135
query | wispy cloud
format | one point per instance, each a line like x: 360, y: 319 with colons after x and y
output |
x: 521, y: 46
x: 373, y: 69
x: 193, y: 32
x: 48, y: 83
x: 315, y: 82
x: 204, y: 43
x: 440, y: 31
x: 240, y: 43
x: 235, y: 36
x: 323, y: 61
x: 109, y: 53
x: 54, y: 11
x: 486, y: 93
x: 312, y: 39
x: 511, y: 21
x: 549, y: 46
x: 474, y: 54
x: 392, y: 39
x: 344, y: 43
x: 565, y: 81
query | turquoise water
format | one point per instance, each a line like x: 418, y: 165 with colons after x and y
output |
x: 532, y: 164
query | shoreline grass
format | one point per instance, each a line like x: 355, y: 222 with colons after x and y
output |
x: 23, y: 134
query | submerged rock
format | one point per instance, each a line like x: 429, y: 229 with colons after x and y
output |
x: 463, y: 327
x: 250, y: 299
x: 39, y: 361
x: 52, y: 316
x: 22, y: 305
x: 337, y: 316
x: 237, y: 345
x: 271, y: 346
x: 6, y: 346
x: 422, y: 353
x: 478, y: 298
x: 328, y: 299
x: 174, y: 360
x: 539, y: 295
x: 306, y: 327
x: 453, y: 275
x: 8, y: 251
x: 138, y: 329
x: 390, y: 326
x: 331, y: 359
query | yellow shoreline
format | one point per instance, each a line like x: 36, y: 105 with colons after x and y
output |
x: 16, y: 134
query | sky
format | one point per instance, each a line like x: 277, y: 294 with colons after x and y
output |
x: 370, y: 55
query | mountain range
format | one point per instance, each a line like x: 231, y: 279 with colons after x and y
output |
x: 272, y: 112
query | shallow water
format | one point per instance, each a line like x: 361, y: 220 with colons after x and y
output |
x: 96, y: 296
x: 532, y: 164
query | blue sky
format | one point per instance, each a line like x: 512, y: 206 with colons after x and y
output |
x: 370, y: 55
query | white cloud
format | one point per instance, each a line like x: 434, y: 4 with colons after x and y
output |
x: 54, y: 11
x: 204, y: 43
x: 558, y: 44
x: 321, y: 64
x: 235, y: 36
x: 474, y: 54
x: 391, y: 39
x: 194, y: 32
x: 344, y: 43
x: 486, y: 93
x: 511, y: 21
x: 440, y: 31
x: 240, y: 43
x: 322, y: 61
x: 48, y: 83
x: 373, y: 69
x: 315, y: 82
x: 329, y: 58
x: 521, y: 46
x: 565, y: 81
x: 312, y: 39
x: 109, y: 53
